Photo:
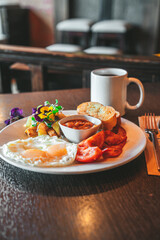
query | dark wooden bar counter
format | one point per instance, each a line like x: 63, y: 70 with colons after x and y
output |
x: 41, y: 61
x: 122, y: 203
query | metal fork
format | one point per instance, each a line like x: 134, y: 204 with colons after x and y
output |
x: 152, y: 128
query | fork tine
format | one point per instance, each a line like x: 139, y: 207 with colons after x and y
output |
x: 151, y: 121
x: 152, y: 129
x: 155, y: 123
x: 148, y: 121
x: 145, y: 121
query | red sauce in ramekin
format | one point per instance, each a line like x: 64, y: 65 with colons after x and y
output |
x: 80, y: 124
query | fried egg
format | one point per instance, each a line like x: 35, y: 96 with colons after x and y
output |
x: 41, y: 151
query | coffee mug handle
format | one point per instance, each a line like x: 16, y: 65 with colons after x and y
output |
x: 141, y: 89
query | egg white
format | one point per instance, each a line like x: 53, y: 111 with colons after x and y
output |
x: 16, y: 149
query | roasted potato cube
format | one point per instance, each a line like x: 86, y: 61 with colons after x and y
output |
x: 41, y: 132
x: 60, y: 115
x: 55, y: 126
x: 42, y: 129
x: 31, y: 131
x: 51, y: 132
x: 42, y: 126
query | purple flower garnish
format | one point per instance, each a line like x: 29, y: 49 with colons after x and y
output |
x: 37, y: 118
x: 34, y: 110
x: 15, y: 114
x: 39, y: 109
x: 45, y: 113
x: 7, y: 122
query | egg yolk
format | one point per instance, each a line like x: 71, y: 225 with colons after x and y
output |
x: 19, y: 146
x: 35, y: 154
x: 57, y: 150
x: 52, y: 153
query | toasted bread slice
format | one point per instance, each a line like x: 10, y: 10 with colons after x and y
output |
x: 106, y: 114
x: 89, y: 108
x: 118, y: 116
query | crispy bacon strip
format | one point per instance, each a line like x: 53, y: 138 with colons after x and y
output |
x: 112, y: 151
x: 114, y: 139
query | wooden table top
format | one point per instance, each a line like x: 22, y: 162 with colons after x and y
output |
x: 122, y: 203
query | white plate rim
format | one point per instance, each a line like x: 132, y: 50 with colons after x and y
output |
x: 82, y: 168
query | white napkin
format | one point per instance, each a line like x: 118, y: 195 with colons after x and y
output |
x: 149, y: 150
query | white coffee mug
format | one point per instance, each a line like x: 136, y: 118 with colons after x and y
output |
x: 109, y: 87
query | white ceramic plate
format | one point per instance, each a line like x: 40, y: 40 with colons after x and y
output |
x: 135, y: 145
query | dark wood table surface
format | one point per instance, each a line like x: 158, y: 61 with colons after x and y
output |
x: 122, y: 203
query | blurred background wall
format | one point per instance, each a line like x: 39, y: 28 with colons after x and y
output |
x: 33, y: 22
x: 145, y: 14
x: 28, y: 22
x: 41, y: 19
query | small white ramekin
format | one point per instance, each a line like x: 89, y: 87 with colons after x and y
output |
x: 76, y: 135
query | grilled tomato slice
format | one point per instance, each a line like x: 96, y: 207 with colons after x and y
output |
x: 88, y: 154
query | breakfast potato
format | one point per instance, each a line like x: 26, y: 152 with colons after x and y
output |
x: 42, y: 129
x: 51, y: 132
x: 45, y: 120
x: 56, y: 128
x: 60, y: 115
x: 31, y: 132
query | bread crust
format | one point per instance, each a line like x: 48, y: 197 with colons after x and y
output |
x: 106, y: 114
x: 89, y: 108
